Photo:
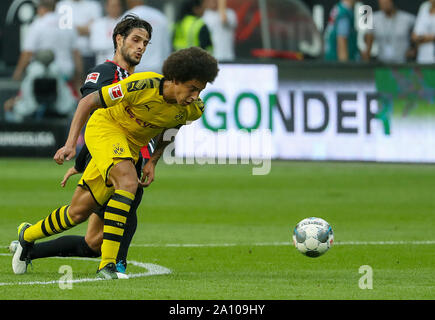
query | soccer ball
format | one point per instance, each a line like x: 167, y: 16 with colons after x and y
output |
x: 313, y: 237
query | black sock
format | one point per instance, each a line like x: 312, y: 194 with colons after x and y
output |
x: 66, y: 246
x: 130, y: 228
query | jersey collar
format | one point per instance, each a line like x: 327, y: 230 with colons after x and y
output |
x: 116, y: 64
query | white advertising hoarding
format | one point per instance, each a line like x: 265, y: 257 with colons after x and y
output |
x: 233, y: 121
x: 249, y: 115
x: 344, y: 121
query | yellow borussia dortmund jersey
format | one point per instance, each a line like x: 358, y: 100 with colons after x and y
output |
x: 137, y: 105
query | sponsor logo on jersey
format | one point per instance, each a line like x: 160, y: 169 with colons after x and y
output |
x: 142, y: 123
x: 116, y: 92
x: 92, y: 77
x: 136, y: 85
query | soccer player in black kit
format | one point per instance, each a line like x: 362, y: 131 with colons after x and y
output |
x: 130, y: 45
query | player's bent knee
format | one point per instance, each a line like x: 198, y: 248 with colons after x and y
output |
x: 129, y: 185
x: 95, y: 241
x: 82, y: 205
x: 127, y: 182
x: 78, y: 215
x: 124, y: 177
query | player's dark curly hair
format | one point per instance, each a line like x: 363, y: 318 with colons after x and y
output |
x: 189, y: 64
x: 128, y: 23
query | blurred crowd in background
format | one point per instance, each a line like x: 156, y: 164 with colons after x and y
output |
x: 68, y: 37
x: 400, y: 36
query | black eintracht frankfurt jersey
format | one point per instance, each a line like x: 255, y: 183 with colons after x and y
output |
x: 102, y: 75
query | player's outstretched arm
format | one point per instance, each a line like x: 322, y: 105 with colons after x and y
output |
x: 70, y: 172
x: 84, y: 108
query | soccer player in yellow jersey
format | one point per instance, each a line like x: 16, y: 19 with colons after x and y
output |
x: 129, y: 114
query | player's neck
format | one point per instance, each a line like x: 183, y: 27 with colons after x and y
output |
x: 123, y: 64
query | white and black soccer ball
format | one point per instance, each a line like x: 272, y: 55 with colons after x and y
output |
x: 313, y: 237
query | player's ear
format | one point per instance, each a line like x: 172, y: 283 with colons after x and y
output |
x: 119, y: 41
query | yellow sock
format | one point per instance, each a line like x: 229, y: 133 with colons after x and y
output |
x: 58, y: 221
x: 115, y: 217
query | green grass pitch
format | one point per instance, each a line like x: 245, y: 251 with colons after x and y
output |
x: 218, y: 232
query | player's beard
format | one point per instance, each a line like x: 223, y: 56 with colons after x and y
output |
x: 131, y: 61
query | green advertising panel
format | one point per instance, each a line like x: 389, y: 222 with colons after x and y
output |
x: 406, y: 93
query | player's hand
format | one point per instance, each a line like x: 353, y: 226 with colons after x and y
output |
x: 147, y: 174
x: 70, y: 172
x: 64, y: 153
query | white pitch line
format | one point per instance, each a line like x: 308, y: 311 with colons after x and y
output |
x: 271, y: 244
x: 152, y: 270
